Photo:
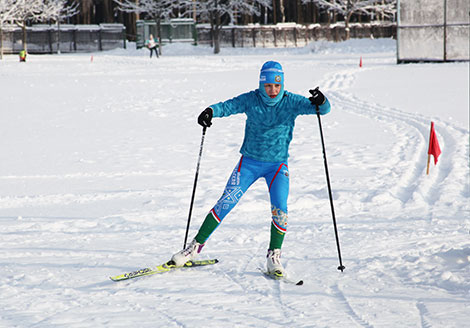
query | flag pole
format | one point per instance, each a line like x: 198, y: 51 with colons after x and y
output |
x: 427, y: 168
x: 429, y: 148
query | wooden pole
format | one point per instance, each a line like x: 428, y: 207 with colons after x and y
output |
x: 427, y: 168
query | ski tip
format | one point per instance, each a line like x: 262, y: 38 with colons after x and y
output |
x: 116, y: 278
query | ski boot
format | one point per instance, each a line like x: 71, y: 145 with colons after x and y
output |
x: 273, y: 261
x: 188, y: 254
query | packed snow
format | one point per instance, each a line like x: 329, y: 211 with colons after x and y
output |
x: 98, y: 158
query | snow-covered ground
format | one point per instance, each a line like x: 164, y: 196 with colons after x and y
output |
x: 97, y: 166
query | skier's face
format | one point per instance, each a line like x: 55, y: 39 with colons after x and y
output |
x: 272, y: 90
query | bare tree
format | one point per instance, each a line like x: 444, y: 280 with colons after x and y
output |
x: 7, y: 12
x: 222, y: 12
x: 156, y: 10
x: 27, y: 10
x: 57, y: 11
x: 346, y: 8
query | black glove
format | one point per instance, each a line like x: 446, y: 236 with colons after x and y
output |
x: 205, y: 118
x: 317, y: 97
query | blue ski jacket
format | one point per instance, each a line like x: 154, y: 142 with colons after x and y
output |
x: 268, y: 129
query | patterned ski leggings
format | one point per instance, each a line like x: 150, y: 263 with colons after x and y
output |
x: 243, y: 176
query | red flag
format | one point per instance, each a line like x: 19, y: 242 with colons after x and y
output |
x: 434, y: 148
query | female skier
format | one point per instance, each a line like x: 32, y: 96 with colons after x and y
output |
x: 271, y: 112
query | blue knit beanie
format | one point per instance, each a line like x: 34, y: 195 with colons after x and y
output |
x: 271, y: 72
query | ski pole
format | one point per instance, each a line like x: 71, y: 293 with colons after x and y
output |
x: 341, y: 266
x: 194, y: 186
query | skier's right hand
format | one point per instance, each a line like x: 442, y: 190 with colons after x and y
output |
x: 205, y: 118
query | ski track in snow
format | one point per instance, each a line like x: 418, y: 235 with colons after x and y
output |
x: 411, y: 132
x: 66, y: 228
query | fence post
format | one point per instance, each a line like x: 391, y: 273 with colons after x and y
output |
x: 233, y: 37
x: 295, y: 36
x: 99, y: 39
x: 49, y: 38
x: 274, y: 35
x: 445, y: 31
x: 253, y: 35
x: 305, y: 34
x: 124, y: 37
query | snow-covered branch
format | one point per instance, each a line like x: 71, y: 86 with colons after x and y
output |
x: 221, y: 12
x: 230, y: 9
x: 7, y: 11
x: 154, y: 9
x: 58, y: 10
x: 28, y: 10
x: 385, y: 8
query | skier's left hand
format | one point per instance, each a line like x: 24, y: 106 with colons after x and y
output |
x: 317, y: 97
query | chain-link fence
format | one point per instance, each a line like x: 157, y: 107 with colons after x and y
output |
x: 292, y: 34
x: 42, y: 39
x: 433, y: 30
x: 174, y: 30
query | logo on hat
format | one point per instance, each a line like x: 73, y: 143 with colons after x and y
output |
x: 277, y: 78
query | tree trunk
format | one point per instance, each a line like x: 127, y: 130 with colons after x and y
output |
x: 159, y: 34
x: 346, y: 21
x: 216, y: 25
x: 58, y: 36
x: 108, y: 15
x: 274, y: 12
x: 315, y: 18
x: 1, y: 44
x: 299, y: 13
x: 23, y: 28
x: 85, y: 11
x: 137, y: 15
x: 216, y: 40
x: 281, y: 4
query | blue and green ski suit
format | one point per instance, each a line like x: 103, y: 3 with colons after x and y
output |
x: 268, y: 133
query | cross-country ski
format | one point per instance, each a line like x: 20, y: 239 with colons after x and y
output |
x: 281, y: 277
x: 162, y: 268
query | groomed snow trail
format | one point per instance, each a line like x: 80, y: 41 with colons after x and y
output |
x: 97, y: 178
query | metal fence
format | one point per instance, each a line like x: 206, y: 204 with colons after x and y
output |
x: 292, y: 34
x: 42, y: 39
x: 174, y: 30
x: 433, y: 30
